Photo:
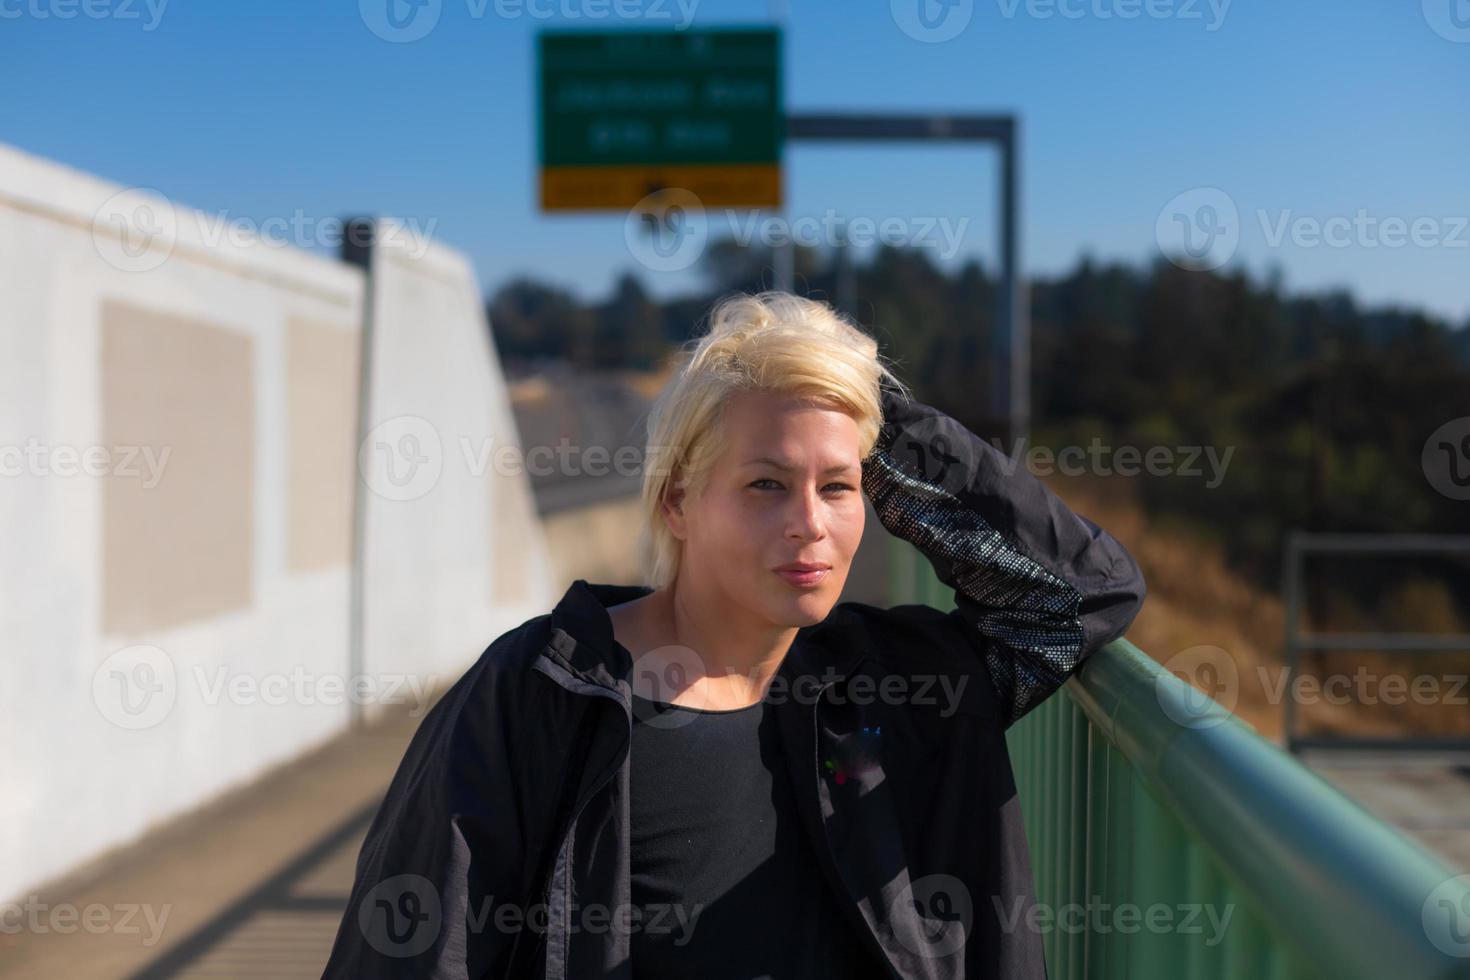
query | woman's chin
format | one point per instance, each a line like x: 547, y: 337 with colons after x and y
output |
x: 806, y: 608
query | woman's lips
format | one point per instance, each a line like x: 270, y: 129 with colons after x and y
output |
x: 803, y: 579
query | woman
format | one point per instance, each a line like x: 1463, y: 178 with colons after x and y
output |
x: 726, y: 772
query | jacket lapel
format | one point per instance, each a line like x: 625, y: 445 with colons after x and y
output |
x: 846, y: 802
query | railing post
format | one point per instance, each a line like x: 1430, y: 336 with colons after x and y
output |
x: 1291, y: 579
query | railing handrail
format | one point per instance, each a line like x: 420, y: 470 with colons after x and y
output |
x: 1346, y: 890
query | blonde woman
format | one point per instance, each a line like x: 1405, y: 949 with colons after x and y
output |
x: 725, y: 772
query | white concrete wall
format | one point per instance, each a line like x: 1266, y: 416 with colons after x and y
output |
x: 450, y: 528
x: 127, y: 596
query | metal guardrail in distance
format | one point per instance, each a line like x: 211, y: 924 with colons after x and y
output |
x: 1301, y: 544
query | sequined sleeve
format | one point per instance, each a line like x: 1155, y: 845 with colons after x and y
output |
x: 1037, y: 586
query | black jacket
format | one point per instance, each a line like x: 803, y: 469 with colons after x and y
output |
x: 501, y: 848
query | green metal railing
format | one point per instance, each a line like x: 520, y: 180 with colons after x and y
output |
x: 1169, y: 840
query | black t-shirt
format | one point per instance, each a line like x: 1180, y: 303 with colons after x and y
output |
x: 725, y: 883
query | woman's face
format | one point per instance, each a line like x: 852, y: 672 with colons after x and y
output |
x: 787, y: 489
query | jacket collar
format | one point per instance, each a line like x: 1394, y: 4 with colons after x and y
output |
x: 582, y: 636
x: 582, y: 632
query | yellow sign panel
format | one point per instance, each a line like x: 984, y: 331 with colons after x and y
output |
x: 719, y: 185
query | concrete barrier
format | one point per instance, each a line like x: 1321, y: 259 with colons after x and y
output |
x: 179, y: 455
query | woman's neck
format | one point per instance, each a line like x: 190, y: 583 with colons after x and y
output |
x: 692, y: 649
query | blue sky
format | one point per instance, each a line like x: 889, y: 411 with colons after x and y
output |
x: 1351, y: 110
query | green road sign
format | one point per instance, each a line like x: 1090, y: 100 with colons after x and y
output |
x: 622, y: 114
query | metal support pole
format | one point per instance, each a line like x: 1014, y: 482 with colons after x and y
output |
x: 1014, y: 324
x: 1010, y: 395
x: 358, y: 245
x: 846, y: 286
x: 784, y: 257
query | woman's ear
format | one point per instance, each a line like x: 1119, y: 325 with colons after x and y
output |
x: 673, y: 508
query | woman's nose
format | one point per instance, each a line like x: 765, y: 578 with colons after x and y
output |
x: 806, y: 519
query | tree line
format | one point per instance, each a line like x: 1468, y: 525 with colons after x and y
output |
x: 1324, y: 404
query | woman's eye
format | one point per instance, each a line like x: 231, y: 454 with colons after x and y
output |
x: 774, y: 484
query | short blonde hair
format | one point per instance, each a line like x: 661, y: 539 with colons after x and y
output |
x: 771, y: 341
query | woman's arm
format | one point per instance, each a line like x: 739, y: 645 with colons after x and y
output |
x: 1038, y: 586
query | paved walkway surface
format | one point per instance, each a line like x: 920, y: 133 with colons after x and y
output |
x: 1425, y: 794
x: 252, y: 885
